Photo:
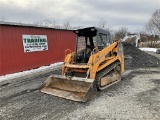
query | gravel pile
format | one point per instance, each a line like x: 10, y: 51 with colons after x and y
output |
x: 135, y: 58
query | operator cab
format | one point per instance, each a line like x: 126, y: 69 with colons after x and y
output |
x: 89, y: 41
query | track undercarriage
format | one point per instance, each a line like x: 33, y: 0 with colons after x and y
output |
x: 96, y: 64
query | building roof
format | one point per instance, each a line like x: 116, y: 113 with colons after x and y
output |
x: 29, y: 25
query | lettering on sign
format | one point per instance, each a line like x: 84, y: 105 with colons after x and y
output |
x: 32, y: 43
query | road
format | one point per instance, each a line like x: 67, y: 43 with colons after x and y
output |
x: 137, y: 96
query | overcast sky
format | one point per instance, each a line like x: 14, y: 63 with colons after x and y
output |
x: 132, y: 14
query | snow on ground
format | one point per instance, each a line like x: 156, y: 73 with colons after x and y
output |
x: 149, y: 49
x: 51, y: 66
x: 28, y: 72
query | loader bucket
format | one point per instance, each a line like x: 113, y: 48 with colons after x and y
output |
x: 73, y: 88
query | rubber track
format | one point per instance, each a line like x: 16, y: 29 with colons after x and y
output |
x: 104, y: 72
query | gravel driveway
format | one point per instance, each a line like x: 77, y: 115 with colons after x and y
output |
x: 136, y: 97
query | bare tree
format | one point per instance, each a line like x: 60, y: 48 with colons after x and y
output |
x: 152, y: 29
x: 121, y: 33
x: 48, y: 23
x: 156, y: 19
x: 102, y: 23
x: 66, y: 24
x: 153, y: 25
x: 38, y: 23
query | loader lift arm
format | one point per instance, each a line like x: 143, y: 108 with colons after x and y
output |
x: 95, y: 64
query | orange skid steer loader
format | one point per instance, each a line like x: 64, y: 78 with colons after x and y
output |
x: 96, y: 64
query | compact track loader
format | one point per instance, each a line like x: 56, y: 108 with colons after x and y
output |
x: 96, y: 64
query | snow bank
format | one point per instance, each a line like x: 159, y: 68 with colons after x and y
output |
x: 149, y: 49
x: 29, y: 72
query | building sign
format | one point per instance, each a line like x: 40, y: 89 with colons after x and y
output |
x: 32, y: 43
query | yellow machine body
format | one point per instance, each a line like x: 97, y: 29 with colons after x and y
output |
x: 103, y: 68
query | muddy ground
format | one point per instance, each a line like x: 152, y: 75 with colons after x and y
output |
x: 136, y: 97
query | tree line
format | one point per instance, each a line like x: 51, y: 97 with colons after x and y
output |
x: 153, y: 24
x: 152, y: 27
